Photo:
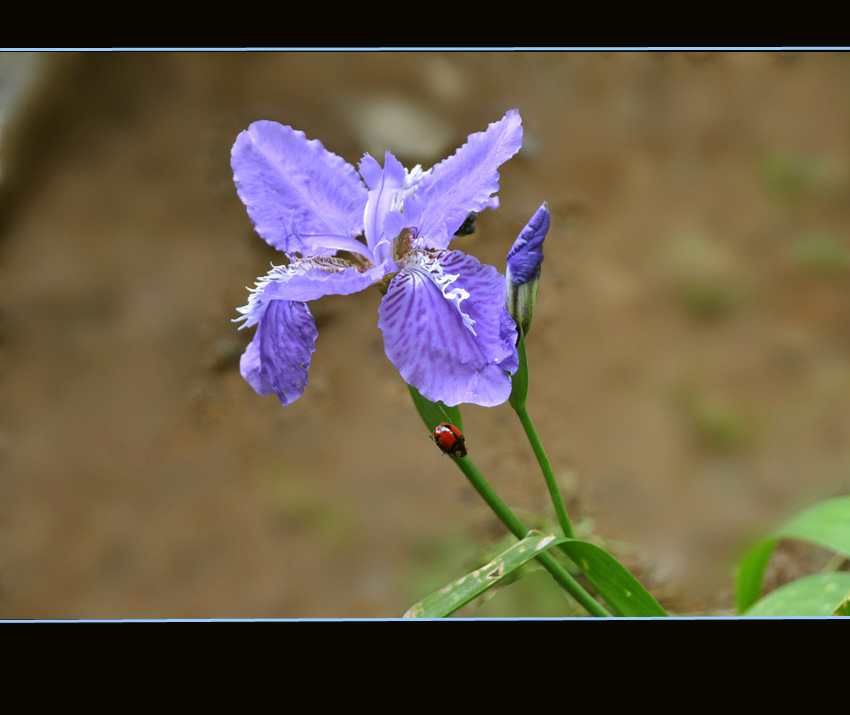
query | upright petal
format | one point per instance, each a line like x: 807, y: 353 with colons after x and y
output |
x: 447, y: 332
x: 278, y: 358
x: 463, y: 183
x: 384, y: 186
x: 295, y: 190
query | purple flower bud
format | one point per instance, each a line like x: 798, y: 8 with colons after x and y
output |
x: 523, y: 273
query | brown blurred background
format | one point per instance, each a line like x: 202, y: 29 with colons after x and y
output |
x: 690, y: 352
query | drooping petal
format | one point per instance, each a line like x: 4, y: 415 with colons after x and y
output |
x: 305, y: 279
x: 278, y: 358
x: 251, y: 369
x: 447, y: 332
x: 463, y: 183
x: 293, y: 186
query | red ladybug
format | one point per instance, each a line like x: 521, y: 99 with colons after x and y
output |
x: 450, y: 439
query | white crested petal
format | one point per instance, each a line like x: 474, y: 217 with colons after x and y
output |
x: 444, y: 329
x: 305, y: 279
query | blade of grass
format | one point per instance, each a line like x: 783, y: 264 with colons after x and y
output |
x: 466, y: 589
x: 622, y: 591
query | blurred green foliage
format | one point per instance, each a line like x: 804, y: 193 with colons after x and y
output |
x: 788, y: 175
x: 822, y: 253
x: 813, y: 596
x: 705, y: 282
x: 718, y: 423
x: 825, y: 524
x: 710, y: 298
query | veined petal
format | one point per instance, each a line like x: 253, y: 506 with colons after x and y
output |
x: 464, y: 182
x: 291, y: 185
x: 447, y: 332
x: 278, y: 358
x: 252, y: 371
x: 384, y: 186
x: 306, y: 279
x: 508, y: 336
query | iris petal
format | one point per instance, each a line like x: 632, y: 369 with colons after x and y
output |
x: 384, y: 185
x: 278, y: 358
x: 293, y: 185
x: 450, y: 341
x: 251, y: 369
x: 463, y: 183
x: 308, y: 279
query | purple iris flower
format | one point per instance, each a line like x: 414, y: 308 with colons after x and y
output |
x: 443, y: 314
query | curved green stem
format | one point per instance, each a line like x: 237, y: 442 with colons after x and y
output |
x: 509, y: 519
x: 546, y: 468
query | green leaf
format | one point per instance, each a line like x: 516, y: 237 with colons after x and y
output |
x: 622, y: 591
x: 432, y: 413
x: 751, y: 574
x: 826, y: 524
x: 843, y: 608
x: 532, y: 593
x: 449, y: 599
x: 818, y: 595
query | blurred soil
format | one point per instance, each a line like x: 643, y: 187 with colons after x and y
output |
x: 690, y: 353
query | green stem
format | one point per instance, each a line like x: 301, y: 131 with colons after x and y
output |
x: 509, y: 519
x: 546, y: 468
